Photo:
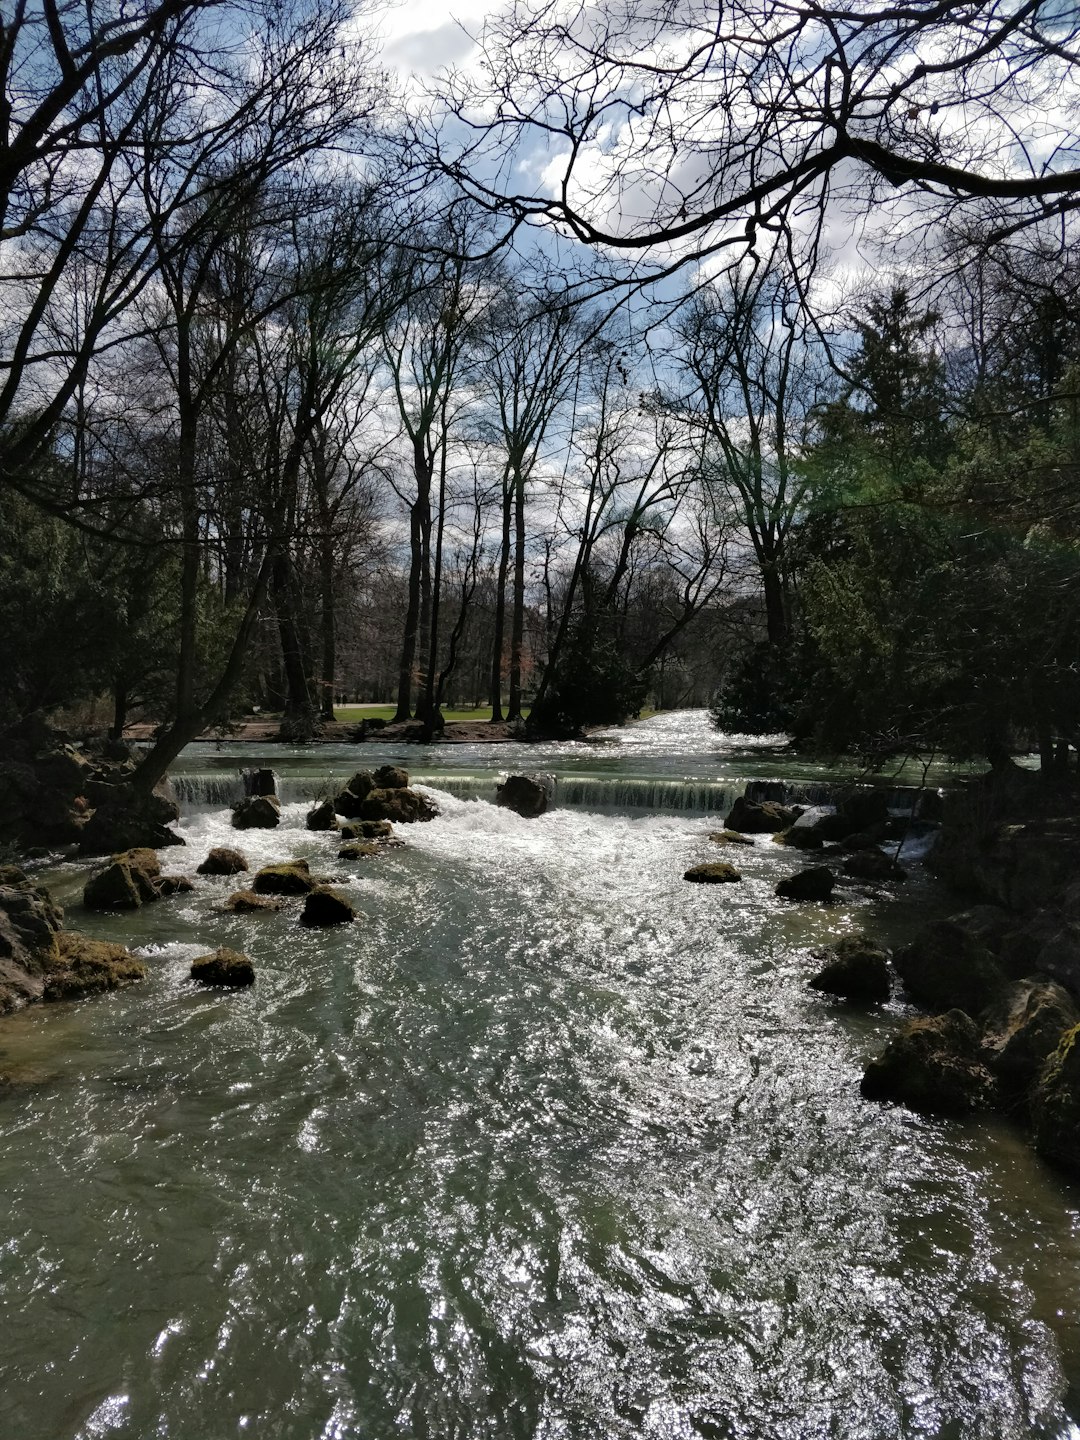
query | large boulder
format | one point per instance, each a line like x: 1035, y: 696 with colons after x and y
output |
x: 126, y: 820
x: 872, y: 864
x: 856, y: 969
x: 814, y: 884
x: 1023, y: 1028
x: 950, y: 965
x: 766, y: 817
x: 526, y: 795
x: 714, y: 872
x: 129, y: 880
x: 325, y: 907
x: 1055, y: 1104
x: 350, y: 798
x: 224, y: 967
x: 223, y: 860
x: 323, y: 817
x: 934, y: 1066
x: 257, y: 812
x: 799, y: 838
x: 401, y: 807
x: 87, y: 967
x: 292, y: 877
x: 29, y: 923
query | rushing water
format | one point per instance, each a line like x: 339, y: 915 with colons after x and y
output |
x: 550, y: 1144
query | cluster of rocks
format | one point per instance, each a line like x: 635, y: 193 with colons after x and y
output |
x: 54, y: 792
x: 852, y: 832
x: 377, y: 797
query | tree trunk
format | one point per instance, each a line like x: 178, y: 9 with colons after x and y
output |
x: 500, y: 606
x: 412, y: 619
x: 517, y: 633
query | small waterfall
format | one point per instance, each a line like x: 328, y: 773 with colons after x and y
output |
x: 218, y: 790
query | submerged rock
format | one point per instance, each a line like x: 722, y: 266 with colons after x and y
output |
x: 729, y: 837
x: 223, y: 861
x: 174, y: 885
x: 323, y: 817
x: 224, y: 967
x: 814, y: 884
x: 361, y: 850
x: 86, y: 967
x: 933, y: 1066
x: 949, y: 965
x: 246, y: 902
x: 856, y: 969
x: 325, y: 907
x: 526, y: 795
x: 257, y: 812
x: 766, y: 817
x: 713, y: 872
x: 293, y: 877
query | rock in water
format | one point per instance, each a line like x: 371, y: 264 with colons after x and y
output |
x: 526, y: 795
x: 361, y: 850
x: 259, y: 782
x: 729, y: 837
x: 323, y: 817
x: 223, y: 861
x: 325, y: 907
x: 291, y: 878
x: 1055, y: 1104
x: 933, y: 1066
x: 714, y: 872
x: 857, y: 969
x: 29, y: 922
x: 1023, y: 1028
x: 246, y: 902
x: 391, y: 777
x: 368, y: 830
x: 949, y: 964
x: 224, y: 967
x: 124, y: 820
x: 872, y: 864
x: 751, y: 817
x: 257, y: 812
x: 131, y: 879
x: 350, y: 799
x: 402, y: 807
x: 814, y: 884
x: 85, y: 967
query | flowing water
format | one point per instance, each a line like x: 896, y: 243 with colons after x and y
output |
x: 549, y: 1144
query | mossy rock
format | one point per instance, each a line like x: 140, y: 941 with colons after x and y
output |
x: 368, y: 830
x: 223, y: 860
x: 360, y: 850
x: 1023, y: 1028
x: 1055, y: 1104
x: 86, y: 967
x: 729, y: 837
x: 224, y: 967
x: 128, y: 881
x: 714, y: 872
x: 766, y: 817
x: 290, y: 878
x: 257, y: 812
x: 246, y: 902
x: 351, y: 797
x: 323, y: 817
x: 857, y: 969
x: 814, y: 884
x: 174, y: 885
x: 933, y: 1066
x: 397, y: 805
x: 391, y: 777
x: 325, y: 907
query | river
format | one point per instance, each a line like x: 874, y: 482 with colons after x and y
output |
x: 549, y: 1144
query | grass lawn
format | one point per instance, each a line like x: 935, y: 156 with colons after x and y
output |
x: 351, y: 714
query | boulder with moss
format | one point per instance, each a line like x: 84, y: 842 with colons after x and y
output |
x: 257, y: 812
x: 86, y: 967
x: 934, y: 1066
x: 813, y: 884
x: 399, y: 806
x: 223, y: 860
x: 950, y: 963
x: 224, y: 967
x: 729, y: 837
x: 350, y: 798
x: 325, y: 907
x: 856, y: 968
x: 323, y: 817
x: 360, y: 850
x: 764, y: 817
x: 1055, y: 1104
x: 1022, y: 1029
x: 246, y: 902
x: 368, y: 830
x: 129, y: 880
x: 292, y: 877
x: 712, y: 872
x: 29, y: 924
